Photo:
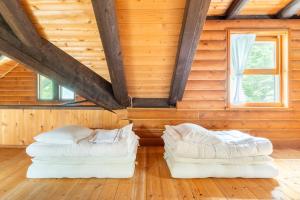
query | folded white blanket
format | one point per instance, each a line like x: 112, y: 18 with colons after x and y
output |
x: 63, y: 160
x: 123, y: 147
x: 242, y: 160
x: 196, y: 170
x: 232, y: 144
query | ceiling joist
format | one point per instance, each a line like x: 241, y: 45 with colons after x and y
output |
x: 108, y: 27
x: 235, y: 8
x: 289, y: 10
x: 192, y: 25
x: 51, y: 61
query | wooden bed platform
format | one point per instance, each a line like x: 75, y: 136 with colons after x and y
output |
x: 151, y: 181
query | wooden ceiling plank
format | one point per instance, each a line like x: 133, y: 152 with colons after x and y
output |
x: 194, y: 18
x: 235, y: 8
x: 289, y: 10
x: 108, y: 28
x: 19, y: 22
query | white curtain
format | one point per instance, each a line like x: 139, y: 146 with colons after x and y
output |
x: 240, y: 48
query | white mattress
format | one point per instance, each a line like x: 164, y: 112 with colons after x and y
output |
x: 253, y: 146
x: 196, y: 170
x: 105, y: 170
x: 83, y: 149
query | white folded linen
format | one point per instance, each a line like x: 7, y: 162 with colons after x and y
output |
x: 106, y: 170
x: 102, y: 136
x: 121, y: 148
x: 232, y: 146
x: 197, y: 170
x: 105, y: 136
x: 241, y: 160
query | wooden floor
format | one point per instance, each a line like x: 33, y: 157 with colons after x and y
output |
x: 151, y: 181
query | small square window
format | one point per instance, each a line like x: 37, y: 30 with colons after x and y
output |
x: 46, y: 88
x: 66, y: 94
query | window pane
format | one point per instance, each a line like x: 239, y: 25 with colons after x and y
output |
x: 261, y: 88
x: 66, y: 94
x: 262, y: 55
x: 46, y: 88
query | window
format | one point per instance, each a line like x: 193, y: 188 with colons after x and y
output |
x: 49, y: 90
x: 257, y: 68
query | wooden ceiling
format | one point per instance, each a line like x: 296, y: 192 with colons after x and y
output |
x: 149, y: 33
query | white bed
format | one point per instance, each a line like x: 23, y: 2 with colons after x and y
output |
x: 83, y: 158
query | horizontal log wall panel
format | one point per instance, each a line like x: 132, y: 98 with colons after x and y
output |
x: 18, y: 86
x: 205, y: 97
x: 15, y: 128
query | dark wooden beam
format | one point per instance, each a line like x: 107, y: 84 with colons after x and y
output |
x: 192, y: 25
x: 289, y: 10
x: 108, y: 28
x: 150, y: 103
x: 59, y: 66
x: 235, y: 8
x: 19, y: 22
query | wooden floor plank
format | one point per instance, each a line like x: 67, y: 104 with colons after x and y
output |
x: 151, y: 180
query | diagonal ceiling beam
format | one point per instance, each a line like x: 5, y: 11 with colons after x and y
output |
x: 54, y: 63
x: 235, y: 8
x: 59, y: 66
x: 192, y: 25
x: 289, y: 10
x: 108, y: 28
x: 19, y: 22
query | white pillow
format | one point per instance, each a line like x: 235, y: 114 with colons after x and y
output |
x: 105, y: 136
x: 64, y: 135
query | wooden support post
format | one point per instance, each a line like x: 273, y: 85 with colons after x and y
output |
x: 192, y: 25
x: 108, y: 28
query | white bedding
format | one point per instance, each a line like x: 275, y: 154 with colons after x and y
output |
x: 232, y: 144
x: 241, y: 160
x: 63, y: 160
x: 196, y: 170
x: 122, y: 148
x: 114, y: 170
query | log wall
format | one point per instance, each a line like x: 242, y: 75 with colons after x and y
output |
x: 205, y: 98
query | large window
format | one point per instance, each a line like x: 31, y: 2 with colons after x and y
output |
x: 49, y: 90
x: 257, y: 68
